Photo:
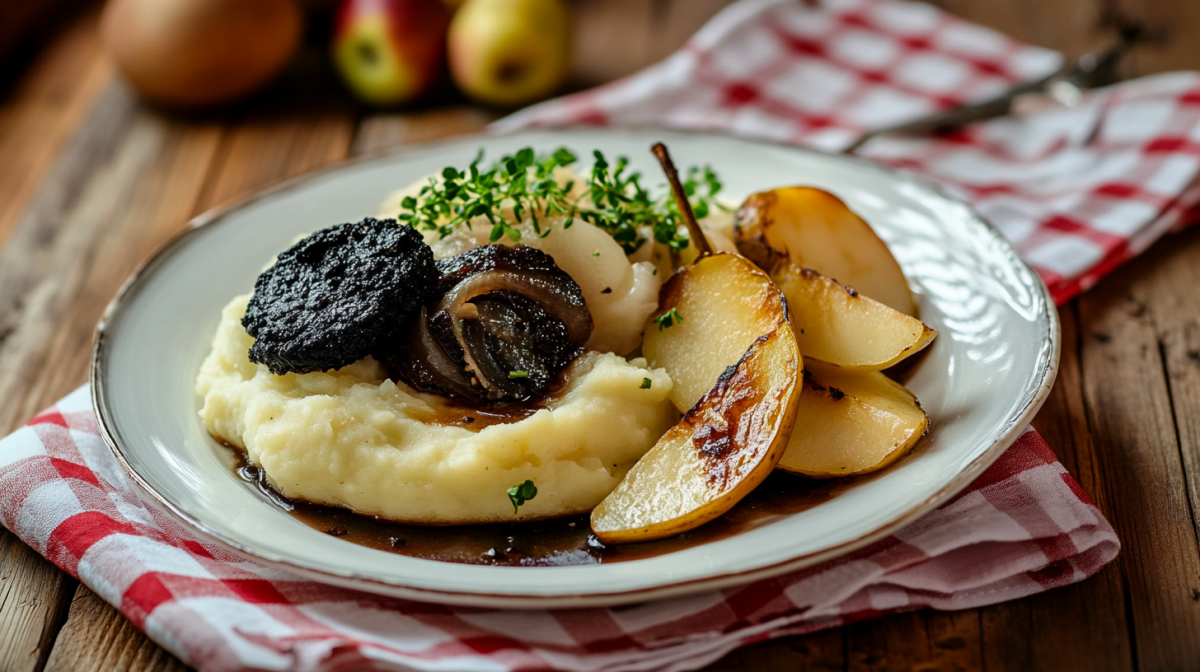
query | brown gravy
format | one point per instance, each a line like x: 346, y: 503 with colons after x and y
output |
x: 555, y: 542
x: 475, y: 418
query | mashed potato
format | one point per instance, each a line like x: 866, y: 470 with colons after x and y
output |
x: 353, y: 438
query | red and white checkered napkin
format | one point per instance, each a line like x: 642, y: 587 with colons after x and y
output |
x: 1022, y: 527
x: 1077, y: 189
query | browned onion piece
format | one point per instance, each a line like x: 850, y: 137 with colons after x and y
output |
x: 503, y: 324
x: 424, y: 365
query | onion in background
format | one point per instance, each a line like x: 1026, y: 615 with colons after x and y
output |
x: 200, y: 52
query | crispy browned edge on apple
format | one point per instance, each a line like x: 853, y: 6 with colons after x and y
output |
x: 812, y: 228
x: 722, y: 449
x: 734, y: 434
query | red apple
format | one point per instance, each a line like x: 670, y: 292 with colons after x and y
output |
x: 390, y: 51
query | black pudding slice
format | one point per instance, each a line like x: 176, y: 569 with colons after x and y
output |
x: 331, y: 298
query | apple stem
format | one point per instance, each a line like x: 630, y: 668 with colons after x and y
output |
x: 685, y: 207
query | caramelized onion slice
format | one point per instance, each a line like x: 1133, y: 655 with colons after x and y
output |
x: 421, y: 362
x: 517, y: 348
x: 506, y: 319
x: 521, y: 269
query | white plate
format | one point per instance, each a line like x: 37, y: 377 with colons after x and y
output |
x: 983, y: 379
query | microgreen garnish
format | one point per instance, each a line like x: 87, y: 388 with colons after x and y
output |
x: 518, y: 374
x: 611, y: 199
x: 668, y: 319
x: 521, y: 493
x: 646, y: 382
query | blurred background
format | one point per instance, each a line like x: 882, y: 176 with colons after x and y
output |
x: 189, y: 55
x: 260, y: 90
x: 387, y: 54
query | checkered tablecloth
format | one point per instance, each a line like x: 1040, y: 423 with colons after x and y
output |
x: 1024, y: 526
x: 1077, y: 189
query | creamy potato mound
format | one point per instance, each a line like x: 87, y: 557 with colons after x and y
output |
x: 355, y: 439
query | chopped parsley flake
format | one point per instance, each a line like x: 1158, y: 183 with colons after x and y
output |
x: 611, y: 199
x: 518, y: 374
x: 668, y: 319
x: 646, y: 382
x: 521, y: 493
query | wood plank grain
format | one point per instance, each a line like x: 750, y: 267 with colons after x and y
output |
x: 379, y: 132
x: 274, y: 139
x: 33, y: 596
x: 611, y: 39
x: 43, y: 110
x: 822, y: 651
x: 1132, y: 421
x: 1165, y: 31
x: 96, y: 638
x: 1174, y: 302
x: 921, y: 640
x: 127, y: 180
x: 300, y: 123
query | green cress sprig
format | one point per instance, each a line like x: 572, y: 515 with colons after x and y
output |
x: 521, y: 493
x: 617, y: 202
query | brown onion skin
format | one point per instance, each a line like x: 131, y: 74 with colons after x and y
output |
x: 495, y: 309
x: 540, y: 276
x: 195, y: 53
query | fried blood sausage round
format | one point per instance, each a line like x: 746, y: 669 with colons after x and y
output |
x: 332, y: 298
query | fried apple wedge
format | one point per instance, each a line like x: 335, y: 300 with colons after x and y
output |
x: 708, y: 315
x: 851, y: 423
x: 837, y: 325
x: 814, y: 229
x: 721, y: 450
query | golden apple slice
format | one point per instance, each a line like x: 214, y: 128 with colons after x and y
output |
x: 837, y: 325
x: 720, y: 451
x: 851, y: 423
x: 708, y: 315
x: 814, y: 229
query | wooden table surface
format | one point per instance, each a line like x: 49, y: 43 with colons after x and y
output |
x: 91, y: 181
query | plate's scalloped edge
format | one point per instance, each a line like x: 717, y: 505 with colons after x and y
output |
x: 1014, y: 428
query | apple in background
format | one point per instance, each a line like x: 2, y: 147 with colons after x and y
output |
x: 510, y: 52
x: 200, y: 52
x: 390, y: 51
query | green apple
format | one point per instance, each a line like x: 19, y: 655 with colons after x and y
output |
x: 510, y: 52
x: 390, y: 51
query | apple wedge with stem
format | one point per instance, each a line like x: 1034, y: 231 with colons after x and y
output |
x: 814, y: 229
x: 837, y: 325
x: 708, y: 315
x: 724, y: 336
x: 851, y: 423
